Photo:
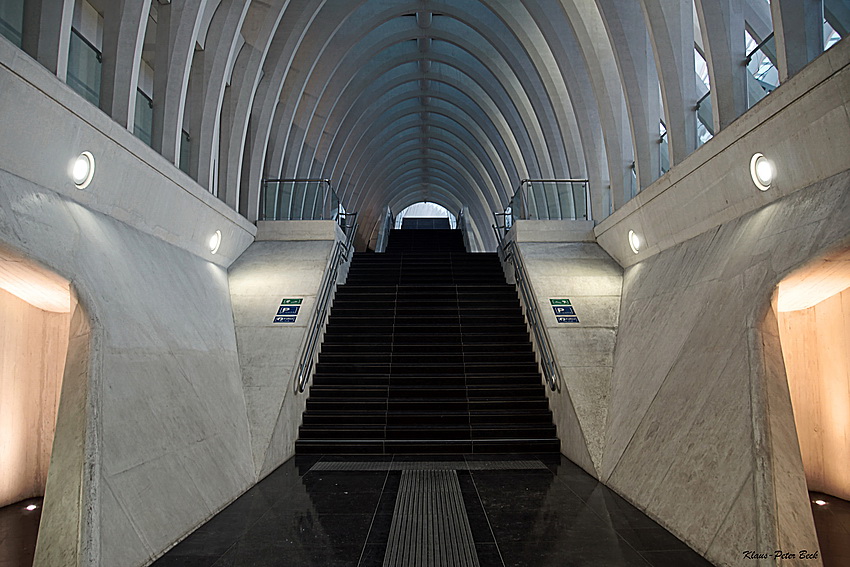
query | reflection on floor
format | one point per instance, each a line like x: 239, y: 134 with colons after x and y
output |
x: 18, y: 532
x: 832, y: 521
x: 312, y: 512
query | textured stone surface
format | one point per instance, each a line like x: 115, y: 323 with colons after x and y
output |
x: 699, y: 414
x: 164, y: 375
x: 585, y: 274
x: 283, y: 265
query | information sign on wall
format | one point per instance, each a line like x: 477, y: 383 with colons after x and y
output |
x: 563, y: 310
x: 288, y: 310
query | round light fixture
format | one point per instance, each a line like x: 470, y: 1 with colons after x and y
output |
x: 820, y: 502
x: 31, y: 507
x: 634, y: 241
x: 82, y: 170
x: 215, y: 241
x: 762, y: 171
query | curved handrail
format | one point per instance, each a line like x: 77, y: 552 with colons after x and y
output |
x: 341, y: 252
x: 509, y: 253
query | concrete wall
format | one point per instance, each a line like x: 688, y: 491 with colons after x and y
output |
x: 700, y: 430
x: 563, y: 261
x: 157, y: 437
x: 288, y: 260
x: 816, y: 350
x: 33, y: 344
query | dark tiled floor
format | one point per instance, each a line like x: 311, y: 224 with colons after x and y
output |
x: 556, y: 515
x: 832, y: 521
x: 18, y: 532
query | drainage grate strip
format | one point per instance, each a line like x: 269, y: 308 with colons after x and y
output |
x: 430, y: 527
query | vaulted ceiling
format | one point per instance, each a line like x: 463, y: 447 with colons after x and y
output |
x: 402, y: 101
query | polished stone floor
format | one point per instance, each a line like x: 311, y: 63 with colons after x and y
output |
x: 535, y: 513
x: 18, y: 533
x: 832, y: 521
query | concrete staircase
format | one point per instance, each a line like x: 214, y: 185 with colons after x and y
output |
x: 426, y: 352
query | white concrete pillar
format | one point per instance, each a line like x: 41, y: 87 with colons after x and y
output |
x: 671, y: 29
x: 124, y: 25
x: 798, y: 31
x: 47, y: 33
x: 722, y: 25
x: 633, y: 53
x: 177, y: 31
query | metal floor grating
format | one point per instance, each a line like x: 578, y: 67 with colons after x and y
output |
x: 428, y: 465
x: 430, y: 527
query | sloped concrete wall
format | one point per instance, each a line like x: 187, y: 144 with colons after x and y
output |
x: 563, y: 261
x: 160, y: 438
x: 288, y: 260
x: 700, y: 432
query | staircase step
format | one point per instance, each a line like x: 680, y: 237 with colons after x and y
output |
x: 426, y: 351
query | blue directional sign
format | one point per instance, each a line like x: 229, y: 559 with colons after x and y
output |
x: 564, y: 310
x: 284, y: 319
x: 567, y: 319
x: 288, y: 309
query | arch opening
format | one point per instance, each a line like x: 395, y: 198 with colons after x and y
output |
x: 43, y: 339
x: 426, y: 214
x: 813, y: 315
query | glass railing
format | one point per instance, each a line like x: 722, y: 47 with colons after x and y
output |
x: 12, y: 20
x: 84, y: 66
x: 763, y: 76
x: 299, y: 199
x: 143, y: 124
x: 549, y: 199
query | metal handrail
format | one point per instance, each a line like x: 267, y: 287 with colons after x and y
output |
x: 341, y: 253
x: 759, y: 47
x: 509, y: 253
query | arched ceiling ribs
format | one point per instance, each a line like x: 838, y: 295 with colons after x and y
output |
x: 586, y: 23
x: 301, y: 87
x: 124, y: 25
x: 671, y: 29
x: 177, y: 32
x: 414, y: 133
x: 550, y: 17
x: 508, y: 154
x: 258, y: 30
x: 437, y: 106
x: 636, y: 68
x: 458, y: 113
x: 207, y: 82
x: 476, y: 82
x: 382, y: 170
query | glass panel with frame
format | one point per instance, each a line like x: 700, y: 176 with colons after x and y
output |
x: 84, y: 68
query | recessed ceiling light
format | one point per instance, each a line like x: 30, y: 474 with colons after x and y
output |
x: 762, y: 171
x: 215, y: 241
x: 31, y: 507
x: 634, y: 241
x: 82, y: 170
x: 820, y: 502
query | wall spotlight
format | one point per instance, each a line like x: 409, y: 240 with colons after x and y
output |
x: 634, y: 241
x: 215, y: 241
x: 82, y: 170
x: 762, y: 171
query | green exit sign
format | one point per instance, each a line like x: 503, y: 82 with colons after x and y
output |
x: 292, y: 301
x: 560, y: 302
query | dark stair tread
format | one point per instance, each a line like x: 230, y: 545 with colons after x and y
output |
x: 426, y: 350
